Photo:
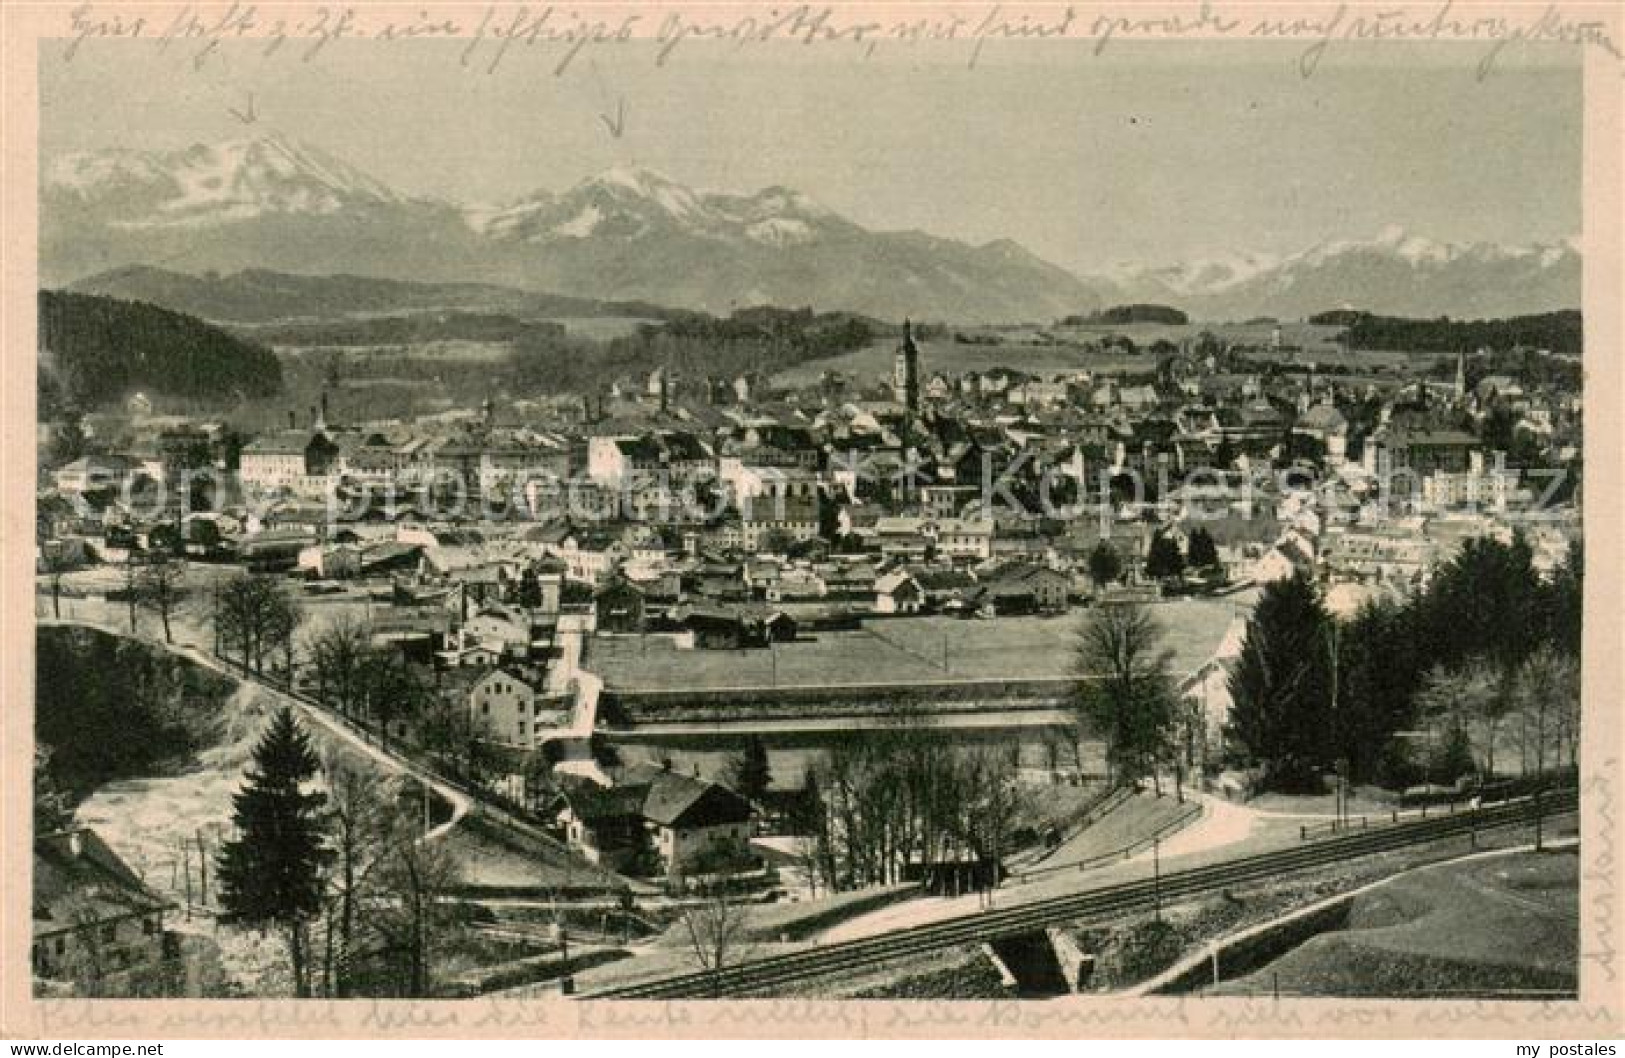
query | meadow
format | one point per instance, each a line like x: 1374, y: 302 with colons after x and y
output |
x: 902, y: 650
x: 1023, y: 351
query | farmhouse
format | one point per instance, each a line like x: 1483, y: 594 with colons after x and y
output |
x: 688, y: 824
x: 95, y: 922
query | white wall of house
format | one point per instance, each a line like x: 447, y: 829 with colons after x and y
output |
x: 503, y: 707
x: 680, y: 846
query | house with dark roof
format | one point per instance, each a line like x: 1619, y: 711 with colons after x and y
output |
x: 97, y: 926
x: 716, y: 627
x: 619, y: 605
x: 898, y: 592
x: 1020, y: 587
x: 92, y: 472
x: 1327, y: 425
x: 689, y: 824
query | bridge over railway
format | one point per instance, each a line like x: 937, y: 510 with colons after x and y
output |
x: 761, y: 977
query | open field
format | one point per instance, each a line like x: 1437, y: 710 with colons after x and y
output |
x: 455, y: 350
x: 84, y: 590
x: 1482, y: 925
x: 901, y: 650
x: 1316, y: 344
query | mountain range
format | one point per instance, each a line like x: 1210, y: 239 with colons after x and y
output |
x: 631, y: 234
x: 1396, y: 273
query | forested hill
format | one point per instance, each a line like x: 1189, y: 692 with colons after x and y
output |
x: 1119, y: 315
x: 94, y: 350
x: 261, y: 296
x: 1561, y: 332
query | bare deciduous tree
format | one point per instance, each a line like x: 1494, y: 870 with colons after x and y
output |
x: 158, y: 589
x: 715, y: 928
x: 415, y: 874
x: 358, y: 804
x: 1463, y: 699
x: 338, y: 653
x: 254, y: 615
x: 55, y: 565
x: 1124, y: 693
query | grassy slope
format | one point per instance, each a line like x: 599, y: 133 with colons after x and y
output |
x: 1501, y: 923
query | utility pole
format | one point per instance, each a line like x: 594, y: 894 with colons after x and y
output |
x: 1156, y: 877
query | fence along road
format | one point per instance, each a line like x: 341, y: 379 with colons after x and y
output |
x: 761, y: 976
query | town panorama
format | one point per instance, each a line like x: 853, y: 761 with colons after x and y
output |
x: 632, y: 590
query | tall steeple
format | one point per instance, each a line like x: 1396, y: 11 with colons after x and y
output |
x: 906, y: 371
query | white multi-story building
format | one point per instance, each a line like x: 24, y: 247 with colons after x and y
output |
x: 970, y: 538
x: 508, y: 706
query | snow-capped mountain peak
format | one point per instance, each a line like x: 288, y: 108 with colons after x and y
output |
x: 1395, y: 271
x: 628, y: 202
x: 633, y: 232
x: 202, y: 184
x: 1200, y: 276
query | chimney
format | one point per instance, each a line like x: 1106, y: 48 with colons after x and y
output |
x: 324, y: 405
x: 313, y: 419
x: 292, y: 419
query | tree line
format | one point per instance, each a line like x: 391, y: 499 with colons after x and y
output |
x: 1124, y: 314
x: 695, y: 346
x: 414, y: 328
x: 1487, y: 644
x: 1425, y: 688
x: 1561, y: 332
x: 898, y: 800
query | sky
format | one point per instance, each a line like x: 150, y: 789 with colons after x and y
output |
x: 1148, y: 153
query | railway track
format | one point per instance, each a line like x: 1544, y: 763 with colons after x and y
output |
x: 761, y: 976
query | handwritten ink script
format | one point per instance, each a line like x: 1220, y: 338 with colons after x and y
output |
x: 492, y: 35
x: 1601, y: 871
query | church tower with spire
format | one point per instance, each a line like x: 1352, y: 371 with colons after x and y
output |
x: 906, y: 371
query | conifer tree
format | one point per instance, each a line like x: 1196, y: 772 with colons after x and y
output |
x: 1164, y: 562
x: 750, y: 774
x: 1105, y: 566
x: 270, y: 872
x: 1282, y: 685
x: 1201, y: 551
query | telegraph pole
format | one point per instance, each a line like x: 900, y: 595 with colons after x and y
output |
x: 1340, y: 799
x: 1156, y: 877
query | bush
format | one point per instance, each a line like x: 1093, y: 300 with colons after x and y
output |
x: 1138, y: 952
x: 1296, y: 776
